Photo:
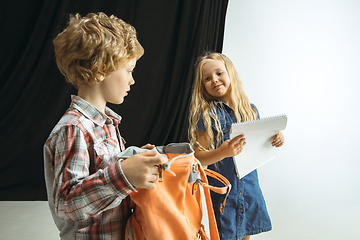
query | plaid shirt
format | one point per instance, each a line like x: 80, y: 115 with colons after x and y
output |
x: 87, y: 186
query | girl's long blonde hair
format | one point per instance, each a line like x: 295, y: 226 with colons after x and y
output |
x: 203, y: 102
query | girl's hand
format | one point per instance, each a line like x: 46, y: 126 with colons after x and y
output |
x: 233, y: 147
x: 148, y: 146
x: 279, y: 140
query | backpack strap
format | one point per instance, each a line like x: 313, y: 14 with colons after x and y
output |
x: 201, y: 235
x: 129, y: 230
x: 221, y: 190
x: 214, y: 233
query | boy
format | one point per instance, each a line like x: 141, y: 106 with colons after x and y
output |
x: 88, y: 186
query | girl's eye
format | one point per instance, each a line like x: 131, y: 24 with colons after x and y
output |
x: 219, y: 73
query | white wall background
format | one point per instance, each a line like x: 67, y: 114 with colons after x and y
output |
x: 302, y: 58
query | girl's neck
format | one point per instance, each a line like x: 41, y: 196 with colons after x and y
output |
x: 228, y: 102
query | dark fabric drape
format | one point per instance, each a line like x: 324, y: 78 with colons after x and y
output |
x: 34, y: 94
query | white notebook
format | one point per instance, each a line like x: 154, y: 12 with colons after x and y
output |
x: 258, y: 149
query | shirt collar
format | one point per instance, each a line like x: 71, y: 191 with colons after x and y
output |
x: 93, y: 113
x: 222, y: 104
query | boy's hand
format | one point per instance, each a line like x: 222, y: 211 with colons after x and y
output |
x: 279, y: 140
x: 142, y: 170
x: 148, y: 146
x: 233, y: 147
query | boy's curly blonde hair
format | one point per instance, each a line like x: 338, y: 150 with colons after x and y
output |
x: 94, y: 46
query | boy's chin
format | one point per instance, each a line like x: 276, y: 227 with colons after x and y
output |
x: 120, y: 101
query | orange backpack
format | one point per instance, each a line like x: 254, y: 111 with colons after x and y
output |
x: 173, y: 209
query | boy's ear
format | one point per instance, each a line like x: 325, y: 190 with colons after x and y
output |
x: 100, y: 77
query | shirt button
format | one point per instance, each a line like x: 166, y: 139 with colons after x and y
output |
x: 242, y: 210
x: 240, y: 193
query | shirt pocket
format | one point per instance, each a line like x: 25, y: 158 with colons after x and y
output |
x: 105, y: 152
x: 224, y: 128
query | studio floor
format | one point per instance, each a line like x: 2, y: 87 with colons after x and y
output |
x: 30, y: 220
x: 27, y: 220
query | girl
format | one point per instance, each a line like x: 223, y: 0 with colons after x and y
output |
x: 218, y: 101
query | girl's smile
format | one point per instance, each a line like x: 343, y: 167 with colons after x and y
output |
x: 217, y: 86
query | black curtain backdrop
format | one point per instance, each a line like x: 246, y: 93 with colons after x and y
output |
x: 34, y: 95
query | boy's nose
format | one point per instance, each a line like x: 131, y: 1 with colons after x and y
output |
x: 132, y: 81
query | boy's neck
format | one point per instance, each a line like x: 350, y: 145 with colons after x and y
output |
x: 92, y: 96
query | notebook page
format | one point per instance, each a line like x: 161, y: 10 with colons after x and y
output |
x: 258, y: 149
